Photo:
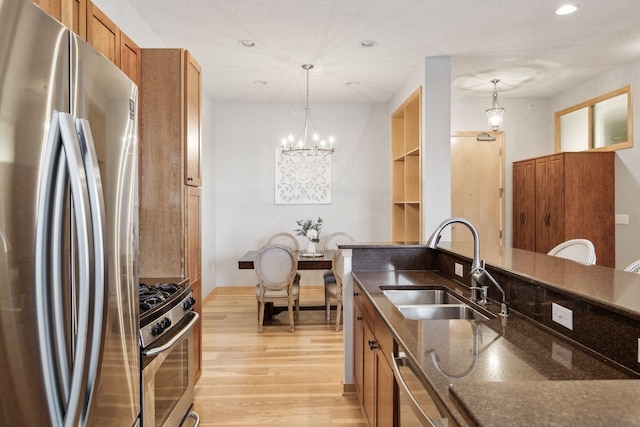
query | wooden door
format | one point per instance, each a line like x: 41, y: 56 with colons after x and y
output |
x: 103, y: 34
x: 524, y: 205
x: 193, y: 119
x: 549, y: 202
x: 477, y: 184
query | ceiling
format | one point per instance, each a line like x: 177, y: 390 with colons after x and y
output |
x: 533, y: 51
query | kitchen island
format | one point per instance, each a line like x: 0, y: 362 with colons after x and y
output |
x: 527, y: 370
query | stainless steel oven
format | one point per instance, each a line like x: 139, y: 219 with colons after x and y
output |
x: 167, y: 362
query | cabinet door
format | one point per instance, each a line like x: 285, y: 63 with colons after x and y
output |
x: 193, y: 103
x: 524, y: 205
x: 74, y: 16
x: 358, y: 351
x: 130, y: 58
x: 549, y: 202
x: 52, y: 7
x: 194, y: 266
x: 369, y: 373
x: 103, y: 34
x: 385, y: 392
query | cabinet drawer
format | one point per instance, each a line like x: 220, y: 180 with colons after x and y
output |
x: 361, y: 300
x: 384, y: 338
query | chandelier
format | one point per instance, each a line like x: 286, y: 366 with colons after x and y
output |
x: 310, y: 143
x: 495, y: 113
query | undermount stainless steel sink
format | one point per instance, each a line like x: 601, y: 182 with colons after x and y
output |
x: 431, y: 304
x: 440, y: 312
x: 420, y: 296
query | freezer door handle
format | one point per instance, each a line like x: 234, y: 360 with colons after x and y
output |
x: 62, y: 167
x: 98, y: 289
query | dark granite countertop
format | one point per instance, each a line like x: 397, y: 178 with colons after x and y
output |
x: 614, y: 289
x: 480, y: 361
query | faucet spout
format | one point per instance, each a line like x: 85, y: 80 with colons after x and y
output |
x: 435, y: 237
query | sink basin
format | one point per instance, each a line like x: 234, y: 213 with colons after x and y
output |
x: 440, y: 312
x: 420, y: 296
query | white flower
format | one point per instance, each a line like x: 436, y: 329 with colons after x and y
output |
x: 312, y: 234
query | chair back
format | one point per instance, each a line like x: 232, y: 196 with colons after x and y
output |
x: 579, y: 250
x: 634, y: 267
x: 336, y: 268
x: 285, y: 239
x: 336, y: 239
x: 275, y: 267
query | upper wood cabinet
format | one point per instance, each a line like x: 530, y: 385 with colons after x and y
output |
x: 193, y: 120
x: 74, y: 16
x: 406, y: 137
x: 130, y: 58
x: 565, y: 196
x: 52, y: 7
x: 103, y: 34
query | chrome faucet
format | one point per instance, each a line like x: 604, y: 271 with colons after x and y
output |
x: 479, y: 274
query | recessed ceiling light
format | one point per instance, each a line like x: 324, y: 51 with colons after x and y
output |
x: 353, y: 83
x: 367, y: 43
x: 566, y: 9
x: 260, y: 83
x: 247, y: 43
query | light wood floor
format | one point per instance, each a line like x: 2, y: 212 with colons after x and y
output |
x: 276, y: 377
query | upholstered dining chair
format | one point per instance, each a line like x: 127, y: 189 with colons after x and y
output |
x: 333, y: 241
x: 288, y: 240
x: 333, y: 289
x: 634, y: 267
x: 275, y: 267
x: 579, y: 250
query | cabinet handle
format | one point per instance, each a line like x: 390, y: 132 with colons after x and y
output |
x: 189, y: 179
x: 373, y: 345
x: 355, y: 294
x: 521, y: 217
x: 358, y: 317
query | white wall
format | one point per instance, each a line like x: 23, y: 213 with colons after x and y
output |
x: 627, y: 179
x: 245, y: 137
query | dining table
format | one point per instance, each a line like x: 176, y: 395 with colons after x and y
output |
x: 321, y: 260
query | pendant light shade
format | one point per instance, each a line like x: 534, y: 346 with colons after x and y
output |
x: 495, y: 113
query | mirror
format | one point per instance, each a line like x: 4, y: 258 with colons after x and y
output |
x: 602, y: 123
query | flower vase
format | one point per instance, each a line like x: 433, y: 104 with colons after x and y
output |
x: 311, y: 247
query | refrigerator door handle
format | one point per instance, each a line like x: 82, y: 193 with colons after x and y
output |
x: 98, y: 290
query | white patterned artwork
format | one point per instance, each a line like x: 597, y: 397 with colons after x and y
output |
x: 302, y: 180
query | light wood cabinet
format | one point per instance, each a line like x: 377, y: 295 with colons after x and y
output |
x: 103, y: 34
x: 565, y: 196
x: 373, y: 375
x: 52, y: 7
x: 406, y: 137
x: 193, y: 106
x: 170, y: 210
x: 130, y: 58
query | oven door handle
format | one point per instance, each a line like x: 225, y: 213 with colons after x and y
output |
x: 175, y: 339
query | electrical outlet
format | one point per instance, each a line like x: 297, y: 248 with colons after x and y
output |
x: 458, y: 269
x: 622, y: 219
x: 562, y: 315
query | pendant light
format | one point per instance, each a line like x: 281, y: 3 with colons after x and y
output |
x: 495, y: 113
x: 310, y: 143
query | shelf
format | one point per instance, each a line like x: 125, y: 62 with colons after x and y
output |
x: 406, y: 137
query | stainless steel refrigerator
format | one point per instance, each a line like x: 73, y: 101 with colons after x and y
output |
x: 69, y: 349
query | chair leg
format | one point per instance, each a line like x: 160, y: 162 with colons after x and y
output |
x: 338, y: 314
x: 260, y: 316
x: 327, y: 304
x: 291, y: 315
x: 298, y: 309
